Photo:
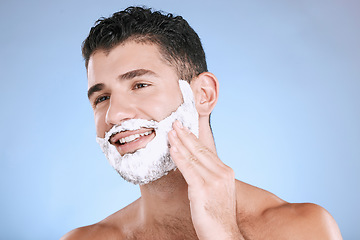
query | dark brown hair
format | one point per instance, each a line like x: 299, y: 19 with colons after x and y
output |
x: 178, y: 42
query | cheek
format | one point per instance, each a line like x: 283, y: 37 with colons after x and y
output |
x: 161, y: 106
x: 100, y: 124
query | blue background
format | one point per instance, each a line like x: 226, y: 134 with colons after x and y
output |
x: 288, y: 117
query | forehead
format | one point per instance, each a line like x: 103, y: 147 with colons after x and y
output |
x: 124, y: 58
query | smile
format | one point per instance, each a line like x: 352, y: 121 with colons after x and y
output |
x: 133, y: 137
x: 131, y: 141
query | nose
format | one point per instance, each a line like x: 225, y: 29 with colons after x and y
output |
x: 119, y: 110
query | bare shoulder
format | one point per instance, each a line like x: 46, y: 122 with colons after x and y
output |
x: 111, y: 228
x: 277, y: 219
x: 303, y: 221
x: 94, y: 232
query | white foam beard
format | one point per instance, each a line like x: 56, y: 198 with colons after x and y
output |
x: 152, y: 162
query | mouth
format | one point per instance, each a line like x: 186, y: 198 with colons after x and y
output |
x: 131, y: 141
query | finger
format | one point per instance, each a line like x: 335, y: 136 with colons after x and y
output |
x: 197, y: 174
x: 196, y: 148
x: 188, y: 164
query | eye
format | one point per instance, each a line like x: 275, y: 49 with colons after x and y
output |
x: 101, y: 99
x: 140, y: 85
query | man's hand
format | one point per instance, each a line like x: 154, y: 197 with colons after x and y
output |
x: 211, y: 186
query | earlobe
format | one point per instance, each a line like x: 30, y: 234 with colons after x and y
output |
x: 206, y: 92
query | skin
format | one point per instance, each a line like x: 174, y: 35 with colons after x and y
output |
x: 201, y: 199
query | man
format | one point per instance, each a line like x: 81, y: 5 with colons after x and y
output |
x: 154, y: 129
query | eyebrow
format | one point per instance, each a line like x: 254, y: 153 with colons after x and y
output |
x: 136, y: 73
x: 96, y: 88
x: 126, y: 76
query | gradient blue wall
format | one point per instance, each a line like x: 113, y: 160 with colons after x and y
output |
x: 288, y: 117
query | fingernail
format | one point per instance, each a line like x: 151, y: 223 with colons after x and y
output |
x: 179, y: 124
x: 186, y: 129
x: 173, y: 132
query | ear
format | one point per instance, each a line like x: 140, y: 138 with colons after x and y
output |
x: 206, y: 92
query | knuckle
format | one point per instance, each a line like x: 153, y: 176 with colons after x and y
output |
x: 202, y: 150
x: 193, y: 159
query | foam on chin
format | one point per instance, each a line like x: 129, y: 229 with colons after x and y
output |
x: 152, y: 162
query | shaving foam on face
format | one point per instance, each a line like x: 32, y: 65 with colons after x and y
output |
x: 153, y: 161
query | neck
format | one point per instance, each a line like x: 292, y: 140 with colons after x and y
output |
x: 165, y: 197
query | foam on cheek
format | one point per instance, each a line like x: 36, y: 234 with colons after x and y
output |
x: 153, y: 161
x: 187, y: 113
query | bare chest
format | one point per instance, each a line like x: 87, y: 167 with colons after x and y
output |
x: 172, y: 229
x: 162, y: 234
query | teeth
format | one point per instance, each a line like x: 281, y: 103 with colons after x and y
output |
x: 133, y: 137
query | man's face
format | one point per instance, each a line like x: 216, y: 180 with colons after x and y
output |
x: 132, y: 81
x: 136, y: 98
